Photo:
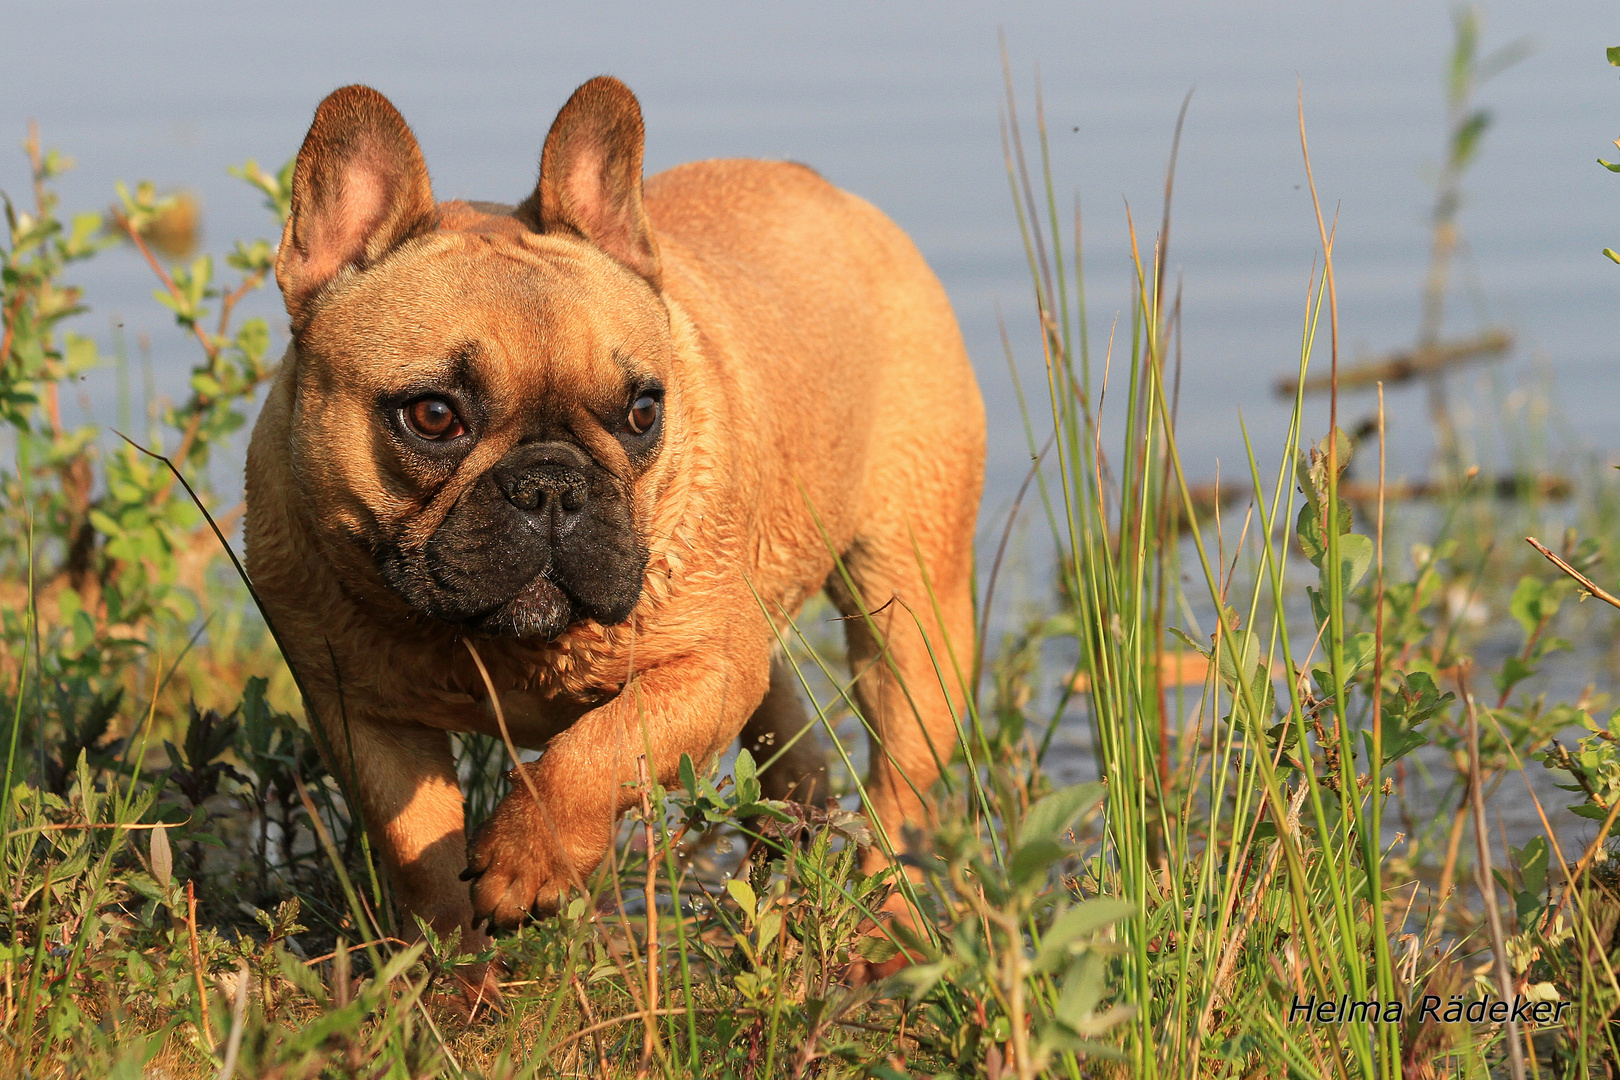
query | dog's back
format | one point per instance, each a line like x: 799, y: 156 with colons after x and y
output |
x: 837, y: 339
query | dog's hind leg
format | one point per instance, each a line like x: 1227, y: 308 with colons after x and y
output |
x: 908, y: 609
x: 909, y: 621
x: 780, y: 729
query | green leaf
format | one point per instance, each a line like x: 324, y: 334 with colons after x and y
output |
x: 1358, y: 652
x: 253, y: 339
x: 1181, y: 635
x: 1031, y: 860
x: 80, y: 353
x: 688, y: 775
x: 1308, y: 527
x: 1319, y: 606
x: 1240, y: 656
x: 1057, y: 1038
x: 1083, y: 987
x: 770, y: 808
x: 1077, y: 922
x: 743, y: 893
x: 1355, y: 556
x: 875, y: 949
x: 1514, y: 671
x: 1532, y: 862
x: 919, y: 979
x: 1530, y: 604
x: 1343, y: 449
x: 1614, y: 55
x: 1262, y: 696
x: 1465, y: 140
x: 1397, y: 742
x: 1285, y: 731
x: 1610, y: 165
x: 1614, y: 256
x: 1591, y: 811
x: 1050, y: 818
x: 306, y: 979
x: 1416, y: 700
x: 883, y: 1072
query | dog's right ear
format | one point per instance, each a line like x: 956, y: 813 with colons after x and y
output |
x: 359, y: 190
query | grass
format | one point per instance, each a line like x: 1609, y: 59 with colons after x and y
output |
x: 1296, y: 719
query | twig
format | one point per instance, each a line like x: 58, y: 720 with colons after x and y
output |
x: 1487, y: 887
x: 649, y: 1041
x: 639, y: 1014
x: 232, y: 298
x: 590, y: 1018
x: 122, y: 219
x: 1586, y: 858
x: 270, y: 623
x: 233, y: 1042
x: 210, y: 347
x: 196, y: 964
x: 360, y: 945
x: 1587, y: 584
x: 522, y: 773
x: 1001, y: 550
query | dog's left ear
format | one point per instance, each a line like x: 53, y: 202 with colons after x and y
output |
x: 590, y: 177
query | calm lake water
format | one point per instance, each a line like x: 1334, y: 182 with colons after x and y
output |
x: 898, y: 102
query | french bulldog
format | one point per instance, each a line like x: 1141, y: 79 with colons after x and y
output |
x: 563, y: 472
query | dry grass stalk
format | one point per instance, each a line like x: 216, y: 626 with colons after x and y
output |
x: 196, y: 963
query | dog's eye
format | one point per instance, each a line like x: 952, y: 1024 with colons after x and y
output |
x: 433, y: 419
x: 643, y: 414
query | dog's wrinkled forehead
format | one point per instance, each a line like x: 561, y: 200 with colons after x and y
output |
x: 536, y: 318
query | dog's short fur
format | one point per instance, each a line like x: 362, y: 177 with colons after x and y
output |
x: 668, y: 410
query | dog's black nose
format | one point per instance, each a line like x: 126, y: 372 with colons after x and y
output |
x: 544, y: 489
x: 544, y: 479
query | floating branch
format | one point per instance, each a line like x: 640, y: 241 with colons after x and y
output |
x: 1507, y: 486
x: 1405, y: 366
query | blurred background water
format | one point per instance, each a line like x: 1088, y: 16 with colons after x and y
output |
x: 899, y: 103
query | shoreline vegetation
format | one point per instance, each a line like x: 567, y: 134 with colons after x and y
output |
x: 1295, y: 689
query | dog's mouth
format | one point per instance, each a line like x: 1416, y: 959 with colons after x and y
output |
x: 542, y: 610
x: 503, y: 605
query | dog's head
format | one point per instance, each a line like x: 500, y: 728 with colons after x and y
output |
x: 482, y: 399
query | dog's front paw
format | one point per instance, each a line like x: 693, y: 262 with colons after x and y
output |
x: 516, y: 864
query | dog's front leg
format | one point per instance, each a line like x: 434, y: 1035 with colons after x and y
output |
x: 405, y: 777
x: 556, y: 824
